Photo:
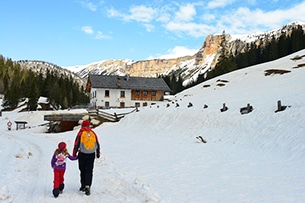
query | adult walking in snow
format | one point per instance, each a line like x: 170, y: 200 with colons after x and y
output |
x: 86, y: 147
x: 58, y: 163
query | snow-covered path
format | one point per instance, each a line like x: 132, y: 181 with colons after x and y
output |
x: 27, y: 175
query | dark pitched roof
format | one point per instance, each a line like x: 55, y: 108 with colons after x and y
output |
x: 126, y: 82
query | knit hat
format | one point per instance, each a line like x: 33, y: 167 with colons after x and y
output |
x: 85, y: 124
x: 62, y: 145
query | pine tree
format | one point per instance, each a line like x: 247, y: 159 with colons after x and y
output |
x: 33, y: 96
x: 11, y: 97
x: 273, y: 49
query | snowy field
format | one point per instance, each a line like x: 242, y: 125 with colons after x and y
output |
x: 153, y: 155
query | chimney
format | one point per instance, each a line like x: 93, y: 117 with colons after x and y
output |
x: 118, y: 82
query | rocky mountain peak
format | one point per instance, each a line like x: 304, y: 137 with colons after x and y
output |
x: 188, y: 67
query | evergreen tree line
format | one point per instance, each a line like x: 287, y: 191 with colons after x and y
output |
x: 255, y: 54
x: 17, y: 83
x: 174, y: 83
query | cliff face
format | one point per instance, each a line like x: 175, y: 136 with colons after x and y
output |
x: 187, y: 67
x: 152, y: 68
x: 212, y: 44
x: 210, y: 47
x: 155, y: 67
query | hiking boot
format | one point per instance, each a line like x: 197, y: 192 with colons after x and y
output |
x: 61, y: 188
x: 87, y: 190
x: 82, y: 189
x: 55, y: 192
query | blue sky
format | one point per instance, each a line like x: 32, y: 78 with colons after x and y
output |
x: 79, y: 32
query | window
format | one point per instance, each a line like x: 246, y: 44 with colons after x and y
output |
x: 107, y: 93
x: 93, y: 95
x: 137, y: 92
x: 153, y: 93
x: 137, y: 104
x: 144, y: 93
x: 107, y: 104
x: 123, y: 94
x: 122, y: 104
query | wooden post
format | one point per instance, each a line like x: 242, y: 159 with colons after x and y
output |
x: 224, y: 108
x: 248, y: 107
x: 279, y: 105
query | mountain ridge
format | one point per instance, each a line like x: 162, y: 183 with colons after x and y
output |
x: 186, y: 67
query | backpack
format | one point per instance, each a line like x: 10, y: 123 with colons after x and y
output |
x: 88, y: 142
x: 60, y: 159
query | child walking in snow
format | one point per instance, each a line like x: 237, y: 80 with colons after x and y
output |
x: 58, y: 163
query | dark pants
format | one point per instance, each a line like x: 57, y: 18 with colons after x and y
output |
x: 85, y: 165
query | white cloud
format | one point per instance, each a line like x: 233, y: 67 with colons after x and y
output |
x: 163, y: 15
x: 178, y: 51
x: 252, y: 2
x: 185, y: 13
x: 100, y: 35
x: 166, y: 15
x: 136, y: 13
x: 114, y: 13
x: 219, y: 3
x: 89, y: 5
x: 208, y: 17
x: 192, y: 29
x: 183, y: 18
x: 149, y: 27
x: 244, y: 20
x: 87, y: 29
x: 141, y: 14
